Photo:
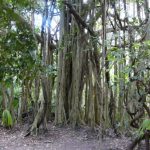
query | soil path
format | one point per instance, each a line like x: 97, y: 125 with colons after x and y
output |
x: 56, y: 138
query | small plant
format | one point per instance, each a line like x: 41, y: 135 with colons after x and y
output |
x: 7, y: 119
x: 144, y: 126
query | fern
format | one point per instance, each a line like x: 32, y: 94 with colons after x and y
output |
x: 7, y: 119
x: 144, y: 126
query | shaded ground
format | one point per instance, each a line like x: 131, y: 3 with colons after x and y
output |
x: 63, y: 138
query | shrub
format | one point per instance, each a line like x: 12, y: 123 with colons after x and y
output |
x: 144, y: 126
x: 7, y: 119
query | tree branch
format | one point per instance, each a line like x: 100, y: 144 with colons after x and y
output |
x: 79, y: 19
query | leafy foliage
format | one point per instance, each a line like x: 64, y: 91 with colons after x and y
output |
x: 144, y: 126
x: 7, y: 119
x: 17, y: 45
x: 60, y: 4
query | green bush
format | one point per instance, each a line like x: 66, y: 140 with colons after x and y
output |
x: 7, y: 119
x: 144, y: 126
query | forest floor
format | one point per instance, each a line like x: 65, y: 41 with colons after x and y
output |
x: 59, y: 138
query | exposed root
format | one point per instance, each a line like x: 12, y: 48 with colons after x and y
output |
x: 146, y: 136
x: 40, y: 118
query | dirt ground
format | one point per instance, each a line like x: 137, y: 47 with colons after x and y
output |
x: 59, y: 138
